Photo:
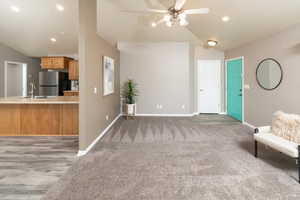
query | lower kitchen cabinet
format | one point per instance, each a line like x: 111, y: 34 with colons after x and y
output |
x: 39, y: 119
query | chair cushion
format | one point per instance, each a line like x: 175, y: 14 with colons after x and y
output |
x: 286, y: 126
x: 284, y: 146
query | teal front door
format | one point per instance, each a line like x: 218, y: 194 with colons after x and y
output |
x: 234, y: 88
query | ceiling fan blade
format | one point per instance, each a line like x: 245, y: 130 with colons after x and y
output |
x: 197, y: 11
x: 154, y: 24
x: 179, y: 4
x: 147, y: 11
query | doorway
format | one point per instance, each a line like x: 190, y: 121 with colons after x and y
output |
x: 234, y: 88
x: 209, y: 86
x: 15, y: 79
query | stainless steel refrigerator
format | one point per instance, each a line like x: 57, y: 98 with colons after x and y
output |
x: 52, y: 83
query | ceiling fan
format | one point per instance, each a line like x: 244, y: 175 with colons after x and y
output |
x: 176, y: 14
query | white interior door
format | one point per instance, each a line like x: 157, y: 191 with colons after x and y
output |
x: 15, y: 79
x: 209, y: 86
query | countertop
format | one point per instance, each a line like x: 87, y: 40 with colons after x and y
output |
x: 71, y: 91
x: 49, y: 100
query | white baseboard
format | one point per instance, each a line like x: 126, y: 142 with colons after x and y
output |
x: 166, y: 115
x: 223, y: 113
x: 249, y: 125
x: 84, y: 152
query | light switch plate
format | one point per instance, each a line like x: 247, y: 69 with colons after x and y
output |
x: 247, y: 87
x: 95, y: 90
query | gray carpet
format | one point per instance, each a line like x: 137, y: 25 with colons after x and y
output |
x: 178, y: 158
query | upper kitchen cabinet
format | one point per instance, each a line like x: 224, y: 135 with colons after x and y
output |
x: 55, y: 62
x: 73, y: 70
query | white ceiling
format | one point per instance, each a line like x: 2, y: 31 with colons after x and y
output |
x: 250, y: 21
x: 30, y: 30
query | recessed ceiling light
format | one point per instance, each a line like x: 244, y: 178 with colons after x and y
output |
x: 60, y: 7
x: 212, y: 43
x: 15, y: 8
x: 53, y: 40
x: 153, y: 24
x: 225, y: 19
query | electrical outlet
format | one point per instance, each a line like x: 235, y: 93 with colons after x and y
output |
x: 247, y: 87
x: 183, y: 106
x: 157, y: 106
x: 160, y: 107
x: 95, y: 90
x: 107, y: 117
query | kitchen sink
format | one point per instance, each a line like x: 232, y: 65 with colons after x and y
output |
x: 38, y: 97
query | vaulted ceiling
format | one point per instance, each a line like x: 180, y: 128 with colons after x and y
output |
x: 249, y: 21
x: 29, y: 31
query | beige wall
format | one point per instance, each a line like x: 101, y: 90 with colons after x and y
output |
x: 166, y: 71
x: 162, y: 71
x: 259, y: 103
x: 93, y: 108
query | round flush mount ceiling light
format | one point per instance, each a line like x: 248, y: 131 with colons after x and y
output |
x: 53, y: 40
x: 15, y: 9
x: 153, y: 24
x: 225, y: 19
x: 60, y: 7
x: 212, y: 43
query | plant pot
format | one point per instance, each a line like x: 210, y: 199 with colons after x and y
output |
x: 130, y: 109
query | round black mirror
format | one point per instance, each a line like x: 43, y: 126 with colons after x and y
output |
x: 269, y: 74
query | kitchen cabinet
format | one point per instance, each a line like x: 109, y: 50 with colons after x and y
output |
x: 39, y: 119
x: 71, y: 93
x: 73, y: 70
x: 55, y: 62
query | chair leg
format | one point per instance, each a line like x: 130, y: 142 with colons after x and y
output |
x: 255, y: 148
x: 298, y: 159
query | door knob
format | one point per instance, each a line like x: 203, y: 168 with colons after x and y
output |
x: 240, y: 95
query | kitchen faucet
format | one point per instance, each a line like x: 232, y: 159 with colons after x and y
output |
x: 32, y: 88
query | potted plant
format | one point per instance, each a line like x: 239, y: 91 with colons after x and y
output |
x: 130, y: 92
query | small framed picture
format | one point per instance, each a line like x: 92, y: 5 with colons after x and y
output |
x: 108, y: 76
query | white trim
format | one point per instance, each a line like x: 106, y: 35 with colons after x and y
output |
x: 24, y: 65
x: 167, y: 115
x: 243, y: 83
x: 84, y: 152
x: 223, y: 113
x: 249, y: 125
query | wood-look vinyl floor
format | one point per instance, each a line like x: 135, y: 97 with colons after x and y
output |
x: 30, y: 165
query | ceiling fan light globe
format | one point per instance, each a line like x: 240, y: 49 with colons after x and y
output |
x: 182, y: 16
x: 169, y: 24
x: 167, y: 18
x: 183, y: 22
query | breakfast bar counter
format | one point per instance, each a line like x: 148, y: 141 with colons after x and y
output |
x: 33, y: 116
x: 48, y: 100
